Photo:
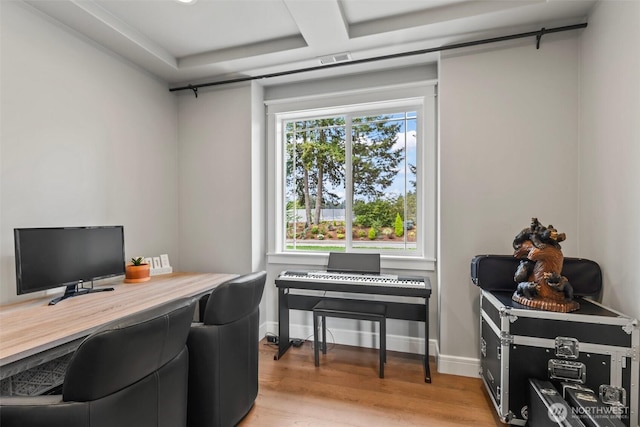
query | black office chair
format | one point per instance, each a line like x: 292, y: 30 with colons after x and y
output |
x: 131, y: 373
x: 223, y: 353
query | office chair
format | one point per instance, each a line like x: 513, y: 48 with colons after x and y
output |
x: 131, y: 373
x: 223, y: 353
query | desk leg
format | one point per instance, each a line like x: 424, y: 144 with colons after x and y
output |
x: 427, y: 371
x: 283, y: 323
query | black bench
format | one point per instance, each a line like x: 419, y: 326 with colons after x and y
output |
x: 349, y: 309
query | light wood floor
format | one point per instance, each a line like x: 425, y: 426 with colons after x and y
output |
x: 346, y: 391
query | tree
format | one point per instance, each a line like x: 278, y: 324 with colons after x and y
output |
x: 315, y: 150
x: 374, y: 158
x: 316, y: 159
x: 407, y: 206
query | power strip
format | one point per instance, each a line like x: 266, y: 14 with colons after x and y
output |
x: 273, y: 339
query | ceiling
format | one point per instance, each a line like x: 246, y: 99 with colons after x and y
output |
x: 212, y: 40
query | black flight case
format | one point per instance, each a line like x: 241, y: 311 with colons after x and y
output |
x: 547, y: 408
x: 594, y: 347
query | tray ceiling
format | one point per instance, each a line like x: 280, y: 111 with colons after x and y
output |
x: 217, y: 39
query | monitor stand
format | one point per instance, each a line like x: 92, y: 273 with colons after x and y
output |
x: 76, y: 290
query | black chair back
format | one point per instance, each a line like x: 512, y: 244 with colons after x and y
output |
x: 234, y: 299
x: 124, y: 352
x: 223, y: 353
x: 131, y: 373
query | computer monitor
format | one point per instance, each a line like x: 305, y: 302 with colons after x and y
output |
x: 48, y: 258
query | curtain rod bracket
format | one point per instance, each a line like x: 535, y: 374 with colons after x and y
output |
x: 539, y: 37
x: 194, y: 89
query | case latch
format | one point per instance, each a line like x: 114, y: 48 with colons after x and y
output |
x: 566, y: 347
x: 483, y: 347
x: 615, y: 396
x: 567, y: 370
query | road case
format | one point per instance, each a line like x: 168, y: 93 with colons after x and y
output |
x: 589, y: 407
x: 547, y: 407
x: 595, y: 347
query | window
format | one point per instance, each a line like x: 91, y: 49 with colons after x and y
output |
x: 355, y: 177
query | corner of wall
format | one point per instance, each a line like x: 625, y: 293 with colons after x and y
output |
x: 258, y: 183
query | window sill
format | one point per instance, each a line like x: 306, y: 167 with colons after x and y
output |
x: 319, y: 259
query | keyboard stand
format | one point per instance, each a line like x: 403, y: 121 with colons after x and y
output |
x: 395, y: 310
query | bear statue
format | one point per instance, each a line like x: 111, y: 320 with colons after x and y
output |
x: 539, y: 279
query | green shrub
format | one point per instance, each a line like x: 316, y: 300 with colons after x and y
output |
x: 340, y: 236
x: 372, y: 234
x: 377, y: 211
x: 399, y: 226
x: 320, y: 236
x: 362, y: 233
x: 315, y: 229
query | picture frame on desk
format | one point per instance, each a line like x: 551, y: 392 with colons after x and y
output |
x: 160, y: 265
x: 164, y: 261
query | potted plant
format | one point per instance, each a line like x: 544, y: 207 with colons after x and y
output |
x: 137, y: 271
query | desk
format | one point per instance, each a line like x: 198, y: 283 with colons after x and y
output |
x: 33, y: 332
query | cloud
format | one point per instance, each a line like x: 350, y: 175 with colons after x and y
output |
x: 410, y: 140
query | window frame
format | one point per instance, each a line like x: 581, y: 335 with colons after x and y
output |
x: 419, y: 97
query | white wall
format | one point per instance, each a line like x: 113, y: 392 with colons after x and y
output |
x: 508, y: 152
x: 215, y: 134
x: 86, y: 139
x: 610, y: 152
x: 365, y: 79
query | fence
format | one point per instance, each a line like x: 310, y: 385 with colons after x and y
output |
x: 325, y: 215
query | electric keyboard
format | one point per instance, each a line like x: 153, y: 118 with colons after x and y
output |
x: 356, y: 279
x: 376, y: 284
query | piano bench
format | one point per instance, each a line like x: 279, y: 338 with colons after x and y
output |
x: 349, y: 309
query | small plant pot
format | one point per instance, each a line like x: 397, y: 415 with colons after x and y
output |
x: 136, y: 273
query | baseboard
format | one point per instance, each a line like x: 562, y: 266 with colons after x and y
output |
x: 358, y: 338
x: 264, y: 329
x: 452, y: 365
x: 455, y: 365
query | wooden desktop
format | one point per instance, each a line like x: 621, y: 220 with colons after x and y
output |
x: 33, y: 332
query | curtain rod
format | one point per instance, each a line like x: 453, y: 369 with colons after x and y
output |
x: 538, y: 34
